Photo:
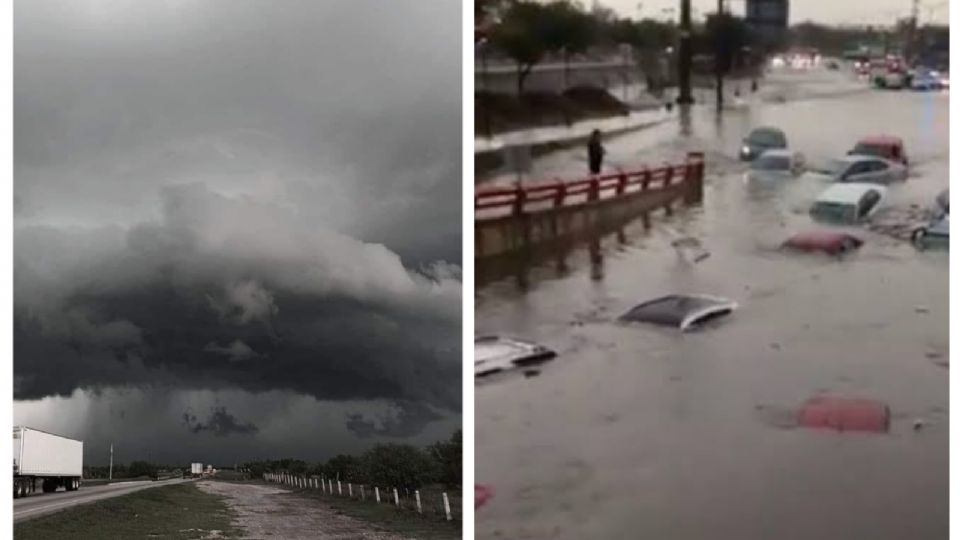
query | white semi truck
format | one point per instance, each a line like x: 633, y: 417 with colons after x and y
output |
x: 45, y: 462
x: 196, y: 470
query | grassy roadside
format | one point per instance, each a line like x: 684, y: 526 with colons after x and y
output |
x: 177, y: 512
x: 430, y: 526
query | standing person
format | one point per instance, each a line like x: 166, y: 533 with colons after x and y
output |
x: 595, y: 152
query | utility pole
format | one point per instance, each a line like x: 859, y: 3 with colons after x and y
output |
x: 111, y: 462
x: 684, y: 52
x: 717, y: 68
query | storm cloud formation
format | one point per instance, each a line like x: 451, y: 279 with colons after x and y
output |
x: 229, y: 196
x: 220, y: 423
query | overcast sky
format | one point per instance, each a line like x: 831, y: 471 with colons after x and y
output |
x: 882, y: 12
x: 237, y: 225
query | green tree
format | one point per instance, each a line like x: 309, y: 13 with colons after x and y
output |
x: 141, y: 468
x: 346, y: 468
x: 520, y: 36
x: 399, y: 466
x: 567, y: 29
x: 448, y: 456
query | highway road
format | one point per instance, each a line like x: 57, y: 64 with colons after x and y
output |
x: 48, y: 503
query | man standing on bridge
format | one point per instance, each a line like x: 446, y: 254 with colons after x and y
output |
x: 595, y: 152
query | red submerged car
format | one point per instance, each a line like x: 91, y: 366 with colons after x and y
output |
x: 830, y: 242
x: 884, y: 146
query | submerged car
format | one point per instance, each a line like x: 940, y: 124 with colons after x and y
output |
x: 847, y: 203
x: 829, y: 242
x: 760, y: 140
x: 934, y: 234
x: 864, y: 169
x: 496, y: 354
x: 773, y: 164
x: 924, y: 79
x: 882, y: 146
x: 681, y: 311
x: 943, y: 201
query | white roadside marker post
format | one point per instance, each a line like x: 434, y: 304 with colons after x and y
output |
x: 446, y: 506
x: 339, y: 488
x: 396, y: 497
x: 363, y: 495
x: 350, y: 489
x: 376, y: 491
x: 419, y: 508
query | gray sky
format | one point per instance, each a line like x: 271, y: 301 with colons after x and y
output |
x: 237, y: 222
x: 824, y: 11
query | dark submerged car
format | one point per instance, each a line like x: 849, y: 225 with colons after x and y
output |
x: 761, y: 139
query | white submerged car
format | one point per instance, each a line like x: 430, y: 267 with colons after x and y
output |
x: 848, y: 203
x: 863, y: 169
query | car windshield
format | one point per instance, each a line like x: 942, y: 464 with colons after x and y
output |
x: 834, y: 212
x: 767, y: 137
x: 771, y: 163
x: 879, y: 150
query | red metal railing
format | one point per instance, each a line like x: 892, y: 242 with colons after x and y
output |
x: 560, y: 193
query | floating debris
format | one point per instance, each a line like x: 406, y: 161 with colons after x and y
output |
x: 843, y: 414
x: 496, y: 354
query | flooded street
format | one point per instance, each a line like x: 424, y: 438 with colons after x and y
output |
x: 637, y: 431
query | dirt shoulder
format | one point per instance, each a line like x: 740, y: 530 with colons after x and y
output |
x: 266, y: 511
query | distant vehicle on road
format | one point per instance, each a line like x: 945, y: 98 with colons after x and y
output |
x: 196, y: 470
x: 44, y: 461
x: 883, y: 146
x: 924, y: 79
x: 760, y: 140
x: 773, y: 164
x: 847, y: 203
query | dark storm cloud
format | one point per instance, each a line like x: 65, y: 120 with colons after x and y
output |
x: 239, y: 195
x: 305, y: 309
x: 409, y: 420
x: 349, y: 111
x: 220, y: 423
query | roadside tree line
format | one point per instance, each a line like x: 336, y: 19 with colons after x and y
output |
x: 402, y: 466
x: 527, y: 32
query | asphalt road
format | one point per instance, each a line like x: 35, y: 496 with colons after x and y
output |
x: 48, y: 503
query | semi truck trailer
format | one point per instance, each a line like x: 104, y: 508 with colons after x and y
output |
x: 45, y: 462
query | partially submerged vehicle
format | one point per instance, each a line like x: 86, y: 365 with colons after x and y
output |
x: 883, y: 146
x: 847, y: 203
x: 681, y: 311
x: 935, y: 234
x: 844, y: 414
x: 496, y: 354
x: 776, y: 164
x: 866, y: 169
x: 829, y: 242
x: 943, y: 201
x: 760, y: 140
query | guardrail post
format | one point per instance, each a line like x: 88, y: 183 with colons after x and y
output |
x: 417, y: 495
x: 560, y: 194
x: 446, y: 506
x: 694, y: 178
x: 668, y: 176
x: 594, y: 192
x: 621, y: 183
x: 647, y: 177
x: 519, y: 198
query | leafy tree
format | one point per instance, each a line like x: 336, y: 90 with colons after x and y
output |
x: 141, y: 468
x: 568, y: 30
x: 346, y: 468
x: 448, y: 456
x: 399, y: 466
x: 727, y: 37
x: 520, y: 35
